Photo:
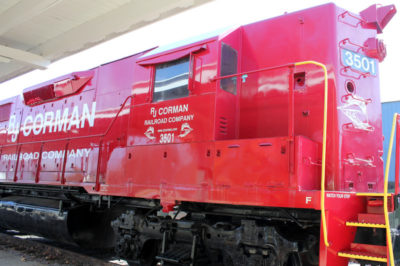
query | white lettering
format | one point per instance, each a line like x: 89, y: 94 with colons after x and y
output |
x: 153, y: 112
x: 170, y: 110
x: 27, y: 129
x: 308, y: 200
x: 53, y: 121
x: 13, y: 128
x: 51, y: 155
x: 89, y: 116
x: 172, y: 119
x: 86, y: 152
x: 79, y: 153
x: 38, y: 127
x: 59, y: 154
x: 61, y: 122
x: 71, y: 153
x: 74, y: 118
x: 47, y: 121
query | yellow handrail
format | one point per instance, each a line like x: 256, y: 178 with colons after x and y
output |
x: 385, y: 192
x: 323, y: 218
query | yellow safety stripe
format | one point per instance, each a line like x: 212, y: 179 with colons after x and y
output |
x: 372, y: 194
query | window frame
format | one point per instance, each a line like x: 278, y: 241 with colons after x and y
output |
x: 189, y: 75
x: 235, y: 78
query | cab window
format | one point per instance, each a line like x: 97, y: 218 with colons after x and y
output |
x: 229, y: 59
x: 171, y: 80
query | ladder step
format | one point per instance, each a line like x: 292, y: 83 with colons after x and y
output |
x: 371, y: 218
x: 176, y: 255
x: 358, y: 224
x: 378, y: 250
x: 375, y: 203
x: 362, y: 256
x: 371, y: 194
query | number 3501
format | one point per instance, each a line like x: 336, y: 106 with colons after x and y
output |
x: 167, y: 138
x: 359, y: 62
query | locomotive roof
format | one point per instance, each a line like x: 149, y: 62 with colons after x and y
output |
x: 192, y: 40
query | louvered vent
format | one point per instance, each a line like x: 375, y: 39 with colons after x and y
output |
x: 223, y: 125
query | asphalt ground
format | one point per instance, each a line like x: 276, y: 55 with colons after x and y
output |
x: 24, y: 250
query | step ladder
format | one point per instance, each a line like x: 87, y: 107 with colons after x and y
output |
x: 179, y: 255
x: 373, y: 219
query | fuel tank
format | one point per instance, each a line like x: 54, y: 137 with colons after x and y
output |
x: 35, y: 216
x: 79, y: 225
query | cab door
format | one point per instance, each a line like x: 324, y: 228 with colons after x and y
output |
x: 228, y: 89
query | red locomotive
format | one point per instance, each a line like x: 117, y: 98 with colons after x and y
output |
x: 213, y: 150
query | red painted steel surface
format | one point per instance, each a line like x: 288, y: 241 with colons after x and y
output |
x: 341, y: 207
x: 260, y: 147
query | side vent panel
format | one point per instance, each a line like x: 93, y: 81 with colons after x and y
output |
x: 55, y: 90
x: 223, y: 126
x: 39, y: 95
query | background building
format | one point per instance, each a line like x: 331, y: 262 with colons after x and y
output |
x: 388, y: 110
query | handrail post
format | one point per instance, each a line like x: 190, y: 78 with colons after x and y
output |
x: 17, y: 164
x: 291, y: 120
x: 397, y: 158
x: 385, y: 194
x: 98, y: 169
x: 64, y: 165
x: 291, y: 104
x: 39, y: 163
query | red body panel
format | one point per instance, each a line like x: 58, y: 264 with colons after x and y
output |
x: 121, y: 92
x: 253, y: 148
